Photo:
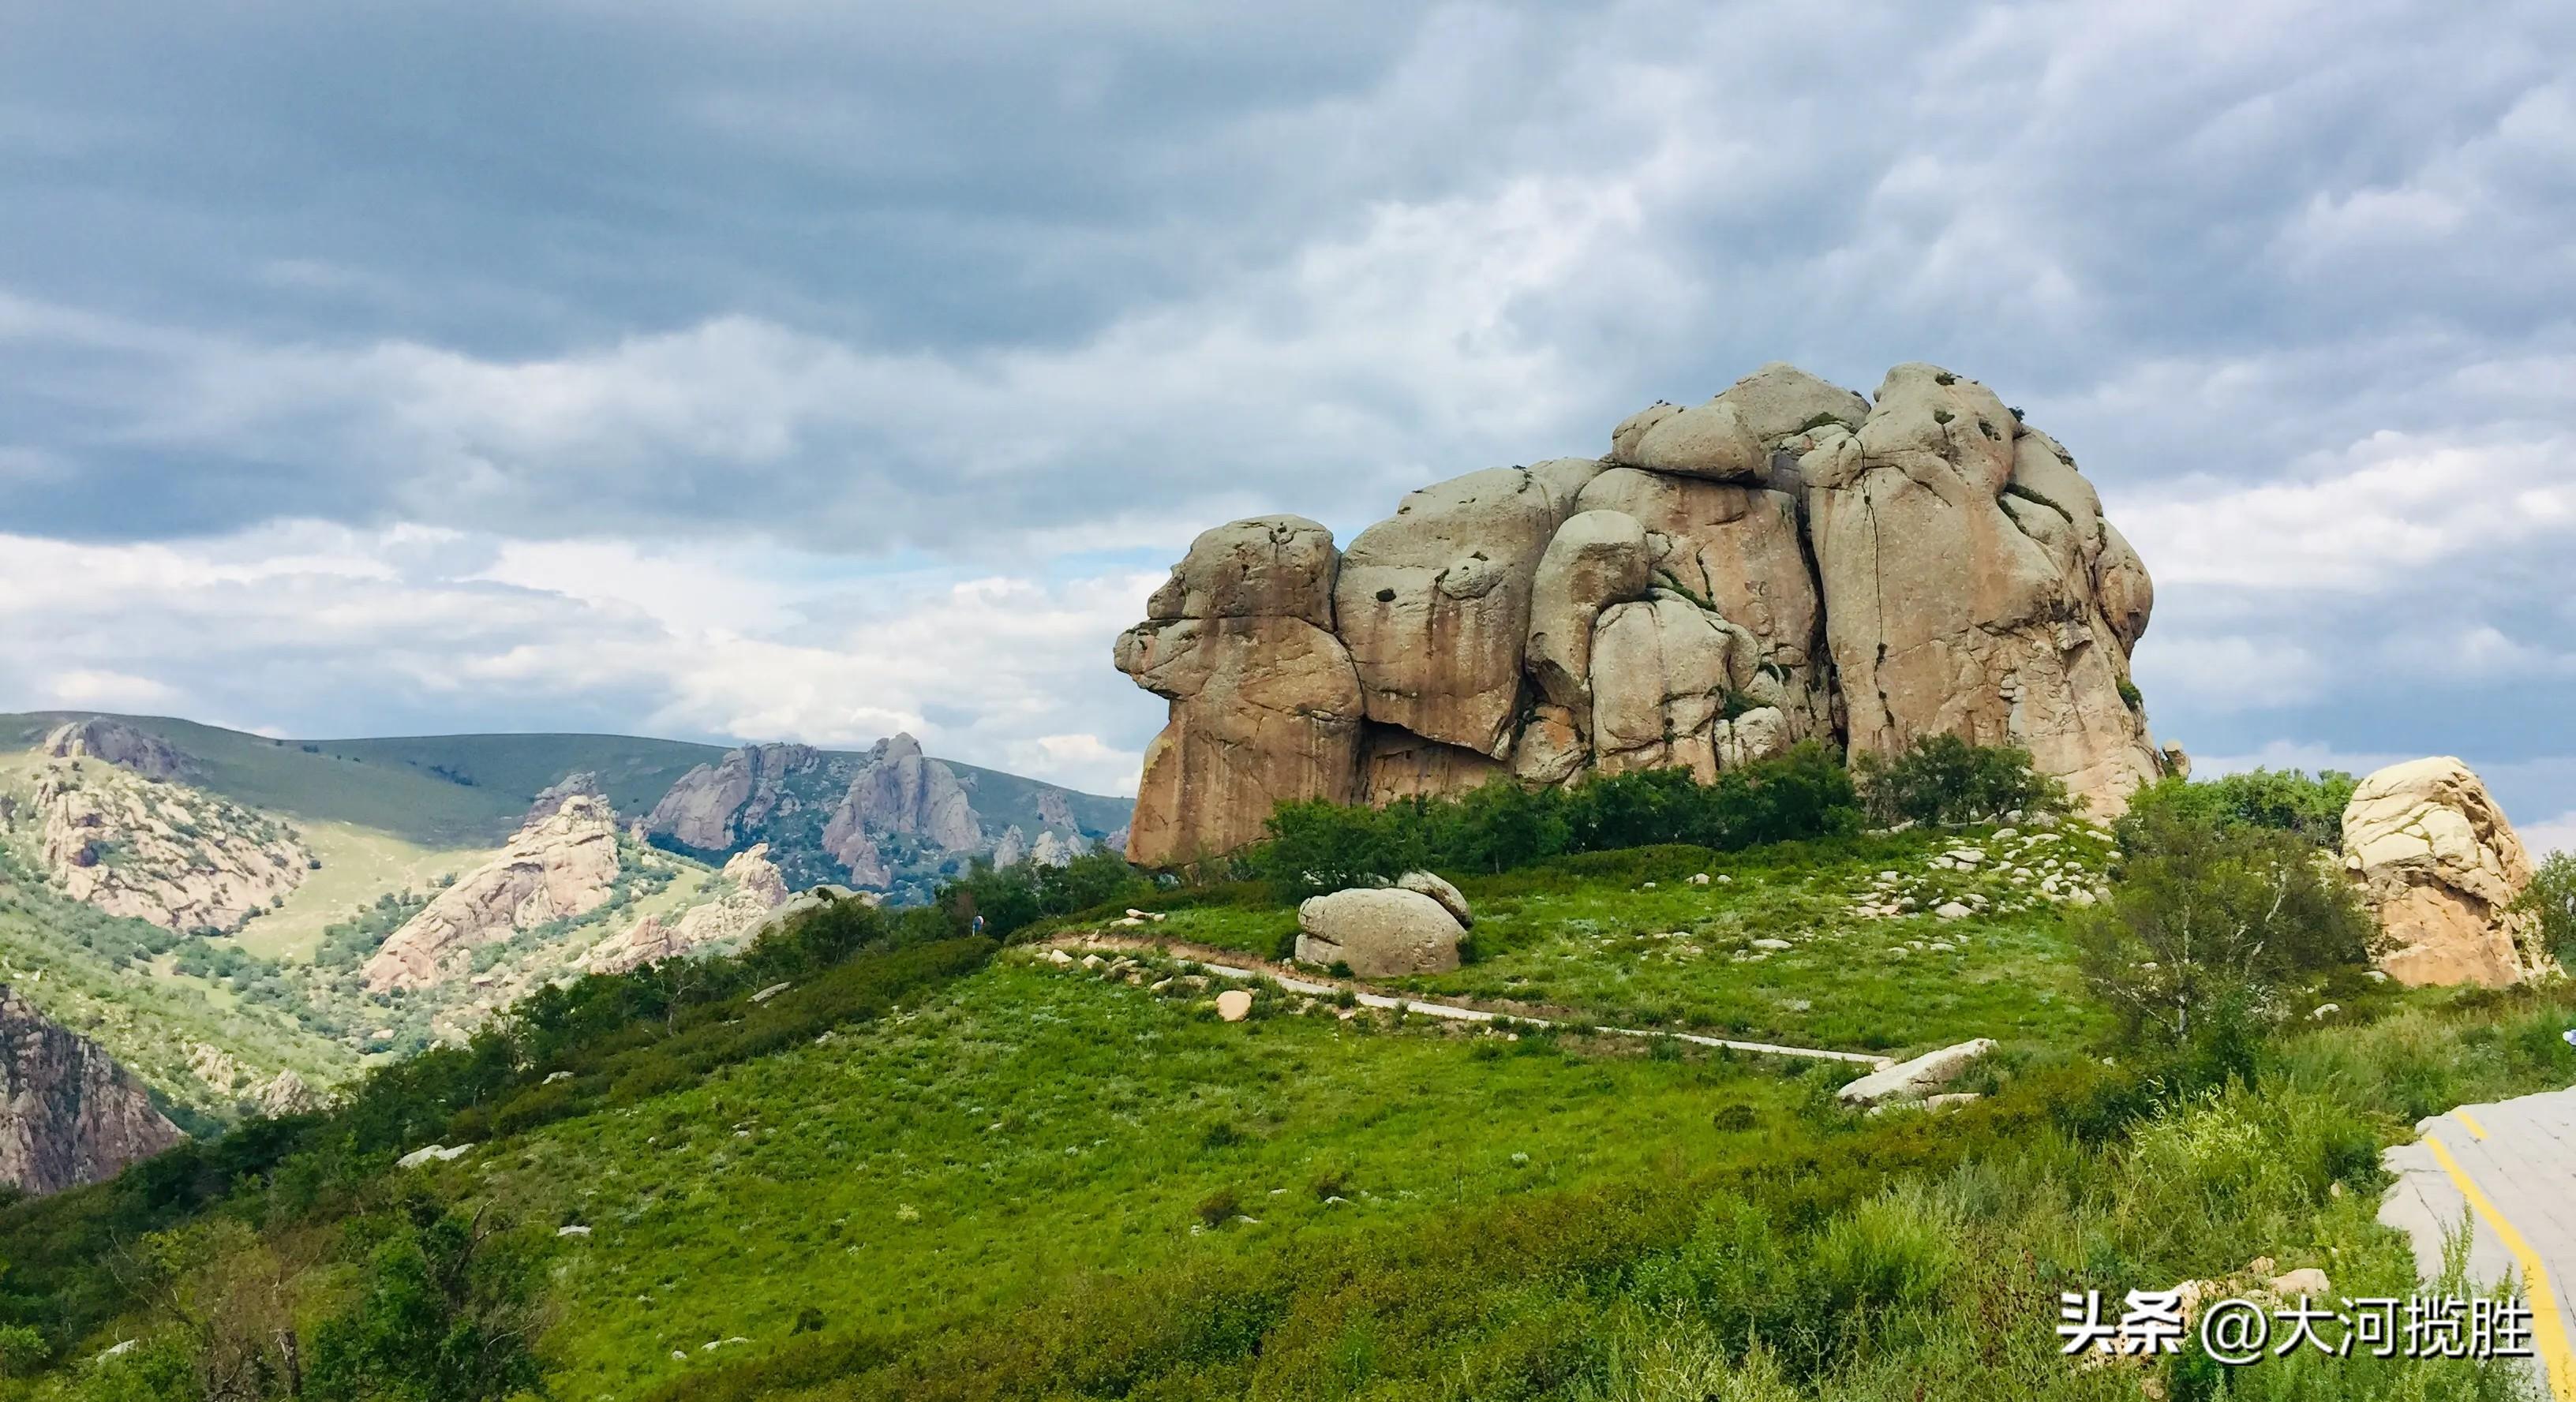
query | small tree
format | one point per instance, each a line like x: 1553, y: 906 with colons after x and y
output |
x: 2206, y: 923
x: 2551, y: 899
x: 448, y: 1310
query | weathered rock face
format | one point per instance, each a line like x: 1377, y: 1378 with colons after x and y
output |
x: 562, y: 865
x: 713, y: 803
x: 122, y: 745
x: 751, y: 889
x: 550, y: 799
x: 905, y: 793
x: 73, y: 1115
x: 1963, y: 597
x: 2440, y: 866
x: 1433, y: 604
x: 1379, y: 933
x: 176, y: 856
x: 1786, y: 561
x: 1266, y: 703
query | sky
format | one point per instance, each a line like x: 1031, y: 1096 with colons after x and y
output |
x: 788, y: 370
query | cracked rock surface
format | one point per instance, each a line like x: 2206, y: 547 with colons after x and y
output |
x: 1783, y: 562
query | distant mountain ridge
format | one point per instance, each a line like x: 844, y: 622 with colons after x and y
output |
x: 913, y: 819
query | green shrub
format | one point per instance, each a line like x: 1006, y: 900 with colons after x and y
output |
x: 2207, y: 922
x: 1316, y: 846
x: 1944, y: 779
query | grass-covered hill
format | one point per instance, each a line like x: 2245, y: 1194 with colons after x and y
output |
x: 451, y: 791
x: 873, y: 1158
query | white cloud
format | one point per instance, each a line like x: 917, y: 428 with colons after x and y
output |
x: 82, y: 687
x: 335, y: 637
x: 2556, y: 835
x: 2370, y: 519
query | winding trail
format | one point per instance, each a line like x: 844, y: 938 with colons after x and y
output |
x: 1235, y: 964
x: 2510, y: 1168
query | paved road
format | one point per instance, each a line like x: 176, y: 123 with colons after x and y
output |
x: 2512, y: 1169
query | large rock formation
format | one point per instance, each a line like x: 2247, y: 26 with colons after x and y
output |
x: 902, y: 792
x: 72, y: 1115
x: 122, y: 745
x: 550, y: 799
x: 2441, y: 868
x: 1972, y: 587
x: 864, y: 815
x: 1786, y: 561
x: 164, y: 852
x: 713, y: 803
x: 560, y: 866
x: 749, y: 888
x: 1266, y: 702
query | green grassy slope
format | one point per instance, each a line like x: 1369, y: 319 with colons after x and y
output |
x: 1030, y: 1129
x: 97, y: 975
x: 1041, y: 1181
x: 1625, y: 939
x: 317, y: 785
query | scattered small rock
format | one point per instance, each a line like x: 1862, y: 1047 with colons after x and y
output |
x: 1234, y: 1004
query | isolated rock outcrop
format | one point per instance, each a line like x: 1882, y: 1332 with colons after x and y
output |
x: 288, y: 1094
x: 749, y: 888
x: 72, y: 1115
x: 1786, y: 561
x: 177, y: 856
x: 1379, y: 933
x: 2441, y: 868
x: 902, y: 792
x: 122, y: 745
x: 1266, y: 703
x: 560, y: 866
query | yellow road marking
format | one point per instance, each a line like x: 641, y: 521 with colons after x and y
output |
x: 2548, y: 1331
x: 2465, y: 1118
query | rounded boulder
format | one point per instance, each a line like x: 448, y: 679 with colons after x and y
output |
x: 1379, y: 933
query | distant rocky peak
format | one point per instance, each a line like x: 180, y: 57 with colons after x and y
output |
x: 582, y: 784
x: 898, y: 746
x: 122, y: 745
x: 713, y: 805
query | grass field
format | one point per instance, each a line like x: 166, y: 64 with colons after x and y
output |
x: 1643, y: 947
x: 1032, y: 1128
x: 358, y: 864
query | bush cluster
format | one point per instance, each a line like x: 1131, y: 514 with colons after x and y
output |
x: 2279, y: 800
x: 1317, y: 846
x: 1944, y: 779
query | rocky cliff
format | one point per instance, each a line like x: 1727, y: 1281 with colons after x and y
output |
x: 120, y: 744
x: 1786, y: 561
x: 560, y: 866
x: 160, y: 851
x: 72, y: 1115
